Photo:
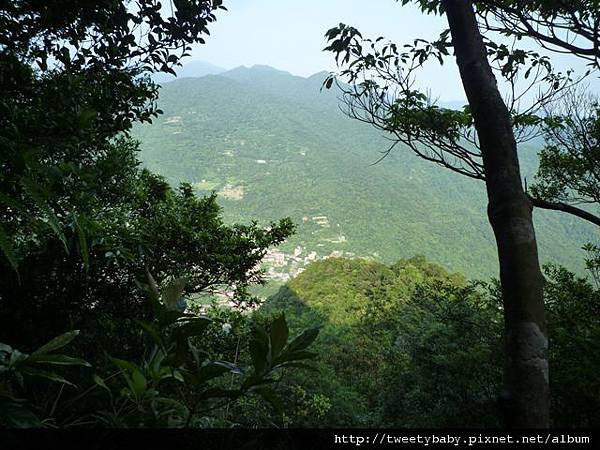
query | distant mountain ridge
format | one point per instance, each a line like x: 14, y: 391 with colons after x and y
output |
x: 193, y: 69
x: 272, y: 144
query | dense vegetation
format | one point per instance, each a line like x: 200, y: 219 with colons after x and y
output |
x: 100, y: 254
x: 412, y: 345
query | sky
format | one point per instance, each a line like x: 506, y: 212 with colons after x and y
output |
x: 289, y: 35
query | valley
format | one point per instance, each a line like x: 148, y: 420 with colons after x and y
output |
x: 273, y: 145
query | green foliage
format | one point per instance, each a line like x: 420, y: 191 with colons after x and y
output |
x: 412, y: 345
x: 444, y: 361
x: 81, y: 225
x: 573, y: 307
x: 543, y: 21
x: 79, y: 35
x: 571, y: 156
x: 178, y: 383
x: 377, y: 80
x: 18, y: 369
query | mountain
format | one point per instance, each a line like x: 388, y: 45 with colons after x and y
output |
x: 274, y: 145
x: 193, y: 69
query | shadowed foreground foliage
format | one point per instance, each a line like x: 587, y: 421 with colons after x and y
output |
x: 411, y: 345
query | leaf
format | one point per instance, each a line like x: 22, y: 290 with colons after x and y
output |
x: 5, y: 348
x: 86, y: 117
x: 181, y: 349
x: 178, y: 376
x: 299, y: 365
x: 152, y: 332
x: 279, y: 335
x: 7, y: 250
x: 215, y: 369
x: 296, y: 356
x: 125, y: 365
x: 133, y: 376
x: 56, y: 343
x: 100, y: 382
x: 32, y: 189
x: 139, y: 383
x: 306, y: 338
x: 260, y: 350
x: 59, y: 360
x: 168, y: 317
x: 16, y: 414
x: 193, y: 327
x: 45, y: 374
x: 83, y: 246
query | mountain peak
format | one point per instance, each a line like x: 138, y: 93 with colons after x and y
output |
x: 267, y: 68
x: 192, y: 69
x: 256, y: 69
x: 321, y: 75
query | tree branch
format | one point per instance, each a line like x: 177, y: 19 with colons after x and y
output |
x: 569, y: 209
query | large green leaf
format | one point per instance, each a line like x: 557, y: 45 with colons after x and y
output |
x: 279, y: 335
x: 299, y: 365
x: 60, y: 360
x: 168, y: 317
x: 56, y: 343
x: 260, y: 351
x: 296, y: 356
x: 125, y: 365
x: 215, y: 369
x: 306, y: 338
x: 139, y: 383
x: 45, y: 374
x: 192, y: 327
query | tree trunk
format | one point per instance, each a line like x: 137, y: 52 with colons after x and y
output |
x: 525, y: 398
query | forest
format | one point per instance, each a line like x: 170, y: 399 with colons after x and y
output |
x: 216, y: 250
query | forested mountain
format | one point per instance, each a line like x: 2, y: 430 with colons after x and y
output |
x: 273, y: 145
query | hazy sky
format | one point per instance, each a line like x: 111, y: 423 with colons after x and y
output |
x: 288, y: 35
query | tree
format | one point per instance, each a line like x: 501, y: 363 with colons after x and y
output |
x: 385, y: 97
x: 87, y: 88
x: 558, y: 26
x: 569, y: 167
x: 82, y: 225
x: 78, y: 212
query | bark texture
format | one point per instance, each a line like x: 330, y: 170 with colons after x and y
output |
x: 525, y: 398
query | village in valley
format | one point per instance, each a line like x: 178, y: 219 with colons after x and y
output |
x: 281, y: 267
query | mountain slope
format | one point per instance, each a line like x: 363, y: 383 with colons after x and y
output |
x: 272, y: 145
